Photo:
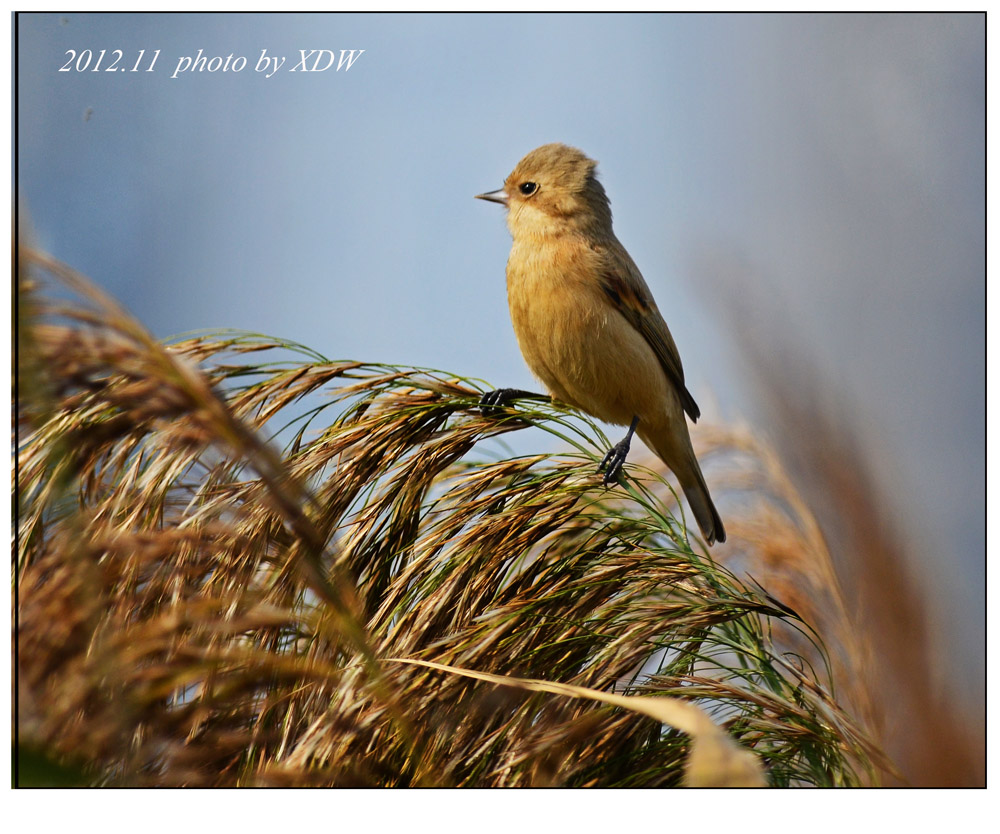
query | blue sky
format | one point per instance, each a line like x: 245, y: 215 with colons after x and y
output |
x: 820, y: 179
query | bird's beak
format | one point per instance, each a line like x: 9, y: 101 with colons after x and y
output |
x: 498, y: 196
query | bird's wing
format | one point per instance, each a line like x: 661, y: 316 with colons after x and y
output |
x: 622, y: 282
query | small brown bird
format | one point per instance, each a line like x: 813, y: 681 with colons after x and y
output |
x: 586, y: 322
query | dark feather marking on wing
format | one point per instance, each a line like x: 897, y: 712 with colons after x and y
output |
x: 638, y: 311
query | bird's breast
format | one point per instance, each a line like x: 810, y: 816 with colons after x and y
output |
x: 552, y: 305
x: 572, y: 337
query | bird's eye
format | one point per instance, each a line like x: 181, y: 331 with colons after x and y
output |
x: 528, y: 188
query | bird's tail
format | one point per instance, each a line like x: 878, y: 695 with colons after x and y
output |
x: 704, y: 510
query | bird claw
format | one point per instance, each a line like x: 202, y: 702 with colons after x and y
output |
x: 492, y: 402
x: 614, y: 460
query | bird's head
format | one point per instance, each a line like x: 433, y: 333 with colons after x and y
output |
x: 554, y: 190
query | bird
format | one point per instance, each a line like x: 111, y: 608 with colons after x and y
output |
x: 586, y: 321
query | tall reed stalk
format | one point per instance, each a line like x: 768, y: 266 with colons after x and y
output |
x: 240, y: 563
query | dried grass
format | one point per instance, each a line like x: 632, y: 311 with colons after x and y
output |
x: 196, y: 608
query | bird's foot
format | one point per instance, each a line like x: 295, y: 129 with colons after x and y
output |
x: 614, y: 460
x: 492, y: 402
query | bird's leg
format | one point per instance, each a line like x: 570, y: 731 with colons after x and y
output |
x: 614, y: 460
x: 492, y: 401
